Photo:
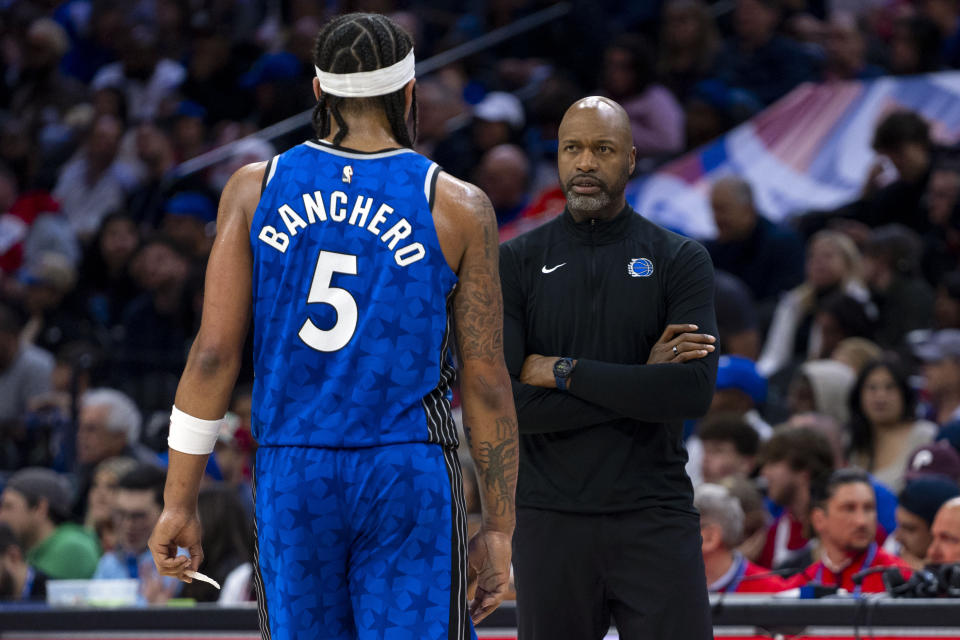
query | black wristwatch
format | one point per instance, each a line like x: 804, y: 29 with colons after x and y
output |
x: 562, y: 370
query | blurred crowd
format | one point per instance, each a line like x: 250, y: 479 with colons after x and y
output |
x: 840, y: 330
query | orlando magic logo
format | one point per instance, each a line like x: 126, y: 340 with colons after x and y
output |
x: 640, y: 268
x: 347, y: 174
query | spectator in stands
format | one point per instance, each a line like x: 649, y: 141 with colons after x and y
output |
x: 278, y: 91
x: 721, y: 530
x: 105, y: 283
x: 903, y: 139
x: 916, y: 46
x: 738, y: 394
x: 689, y: 43
x: 933, y: 459
x: 839, y: 317
x: 792, y: 462
x: 766, y: 256
x: 436, y: 105
x: 946, y: 15
x: 844, y: 516
x: 212, y: 75
x: 892, y: 271
x: 945, y: 546
x: 883, y: 426
x: 18, y: 152
x: 946, y: 302
x: 18, y: 580
x: 110, y: 101
x: 25, y: 370
x: 155, y: 151
x: 759, y: 60
x: 148, y: 81
x: 655, y: 116
x: 497, y: 119
x: 159, y: 324
x: 189, y: 220
x: 756, y: 518
x: 109, y: 425
x: 93, y: 182
x: 95, y: 40
x: 504, y: 174
x: 44, y: 94
x: 832, y: 265
x: 101, y: 498
x: 856, y: 353
x: 941, y: 357
x: 941, y: 241
x: 36, y: 504
x: 742, y: 391
x: 227, y: 543
x: 845, y: 50
x: 737, y: 322
x: 919, y: 501
x: 713, y: 108
x: 730, y: 447
x: 821, y: 386
x: 189, y: 130
x: 137, y: 507
x: 56, y: 314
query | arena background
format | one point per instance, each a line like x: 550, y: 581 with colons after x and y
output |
x: 120, y: 122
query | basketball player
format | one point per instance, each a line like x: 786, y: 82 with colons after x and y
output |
x: 353, y: 251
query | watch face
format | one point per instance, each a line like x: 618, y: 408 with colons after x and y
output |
x: 562, y: 368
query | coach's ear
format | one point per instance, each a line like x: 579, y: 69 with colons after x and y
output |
x: 408, y: 98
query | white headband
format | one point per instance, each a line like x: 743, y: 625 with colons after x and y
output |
x: 366, y: 84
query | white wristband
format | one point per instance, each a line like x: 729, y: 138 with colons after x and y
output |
x: 192, y: 435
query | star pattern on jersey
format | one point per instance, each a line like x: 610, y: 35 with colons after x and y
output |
x: 371, y: 391
x: 355, y: 543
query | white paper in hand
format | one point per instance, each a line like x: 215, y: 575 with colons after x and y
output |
x: 196, y: 575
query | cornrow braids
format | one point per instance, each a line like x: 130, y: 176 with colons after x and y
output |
x: 362, y: 42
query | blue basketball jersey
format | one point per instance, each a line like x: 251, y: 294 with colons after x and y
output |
x: 350, y: 302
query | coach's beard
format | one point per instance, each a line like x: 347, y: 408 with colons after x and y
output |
x: 587, y: 203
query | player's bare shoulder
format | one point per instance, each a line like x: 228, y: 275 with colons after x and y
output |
x: 242, y: 192
x: 463, y: 215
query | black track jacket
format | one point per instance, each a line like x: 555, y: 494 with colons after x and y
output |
x: 602, y: 293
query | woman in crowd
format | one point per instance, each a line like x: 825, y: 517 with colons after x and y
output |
x: 105, y: 281
x: 832, y: 266
x: 100, y: 498
x: 883, y: 425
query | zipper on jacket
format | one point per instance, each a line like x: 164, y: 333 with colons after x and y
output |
x: 593, y: 270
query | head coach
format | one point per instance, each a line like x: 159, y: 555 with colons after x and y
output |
x: 608, y: 336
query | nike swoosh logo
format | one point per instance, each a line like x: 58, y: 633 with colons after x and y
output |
x: 545, y: 270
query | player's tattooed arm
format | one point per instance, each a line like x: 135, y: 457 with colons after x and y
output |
x: 489, y: 416
x: 496, y: 462
x: 478, y: 305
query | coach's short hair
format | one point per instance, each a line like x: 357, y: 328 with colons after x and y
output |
x: 716, y: 504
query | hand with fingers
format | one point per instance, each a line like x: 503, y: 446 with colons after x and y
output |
x: 488, y: 564
x: 679, y: 344
x: 176, y: 528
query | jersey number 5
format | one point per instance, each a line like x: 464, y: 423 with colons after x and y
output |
x: 339, y: 335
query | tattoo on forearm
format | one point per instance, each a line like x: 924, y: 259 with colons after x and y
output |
x: 478, y: 304
x: 497, y: 465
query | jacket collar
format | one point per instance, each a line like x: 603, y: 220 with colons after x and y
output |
x: 599, y: 231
